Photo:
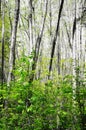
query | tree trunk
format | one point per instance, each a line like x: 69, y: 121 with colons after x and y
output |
x: 38, y: 43
x: 13, y: 41
x: 74, y: 50
x: 30, y: 19
x: 0, y: 9
x: 3, y: 32
x: 55, y: 37
x: 50, y: 15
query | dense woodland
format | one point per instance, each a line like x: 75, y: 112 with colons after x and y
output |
x: 42, y: 64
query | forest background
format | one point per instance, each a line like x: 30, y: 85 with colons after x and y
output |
x: 43, y: 65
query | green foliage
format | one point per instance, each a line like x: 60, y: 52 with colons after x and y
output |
x: 40, y: 105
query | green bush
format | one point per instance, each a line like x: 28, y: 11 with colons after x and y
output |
x: 41, y: 105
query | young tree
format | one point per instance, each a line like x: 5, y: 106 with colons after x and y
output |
x: 55, y: 37
x: 13, y: 41
x: 3, y: 33
x: 30, y: 21
x: 38, y: 42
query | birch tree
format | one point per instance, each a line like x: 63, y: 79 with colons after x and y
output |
x: 55, y: 36
x: 38, y: 42
x: 30, y: 21
x: 13, y: 41
x: 3, y: 35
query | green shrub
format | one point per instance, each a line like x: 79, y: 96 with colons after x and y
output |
x: 41, y: 105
